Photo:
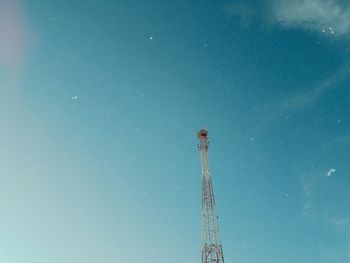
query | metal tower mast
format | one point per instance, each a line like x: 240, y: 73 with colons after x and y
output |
x: 211, y: 243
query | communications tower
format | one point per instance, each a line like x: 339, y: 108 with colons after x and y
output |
x: 211, y: 243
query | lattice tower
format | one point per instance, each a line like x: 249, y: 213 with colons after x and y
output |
x: 211, y: 244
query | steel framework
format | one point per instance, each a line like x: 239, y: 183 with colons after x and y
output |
x: 211, y: 244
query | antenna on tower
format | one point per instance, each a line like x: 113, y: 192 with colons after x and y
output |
x: 211, y: 244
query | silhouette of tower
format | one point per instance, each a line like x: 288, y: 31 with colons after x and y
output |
x: 211, y: 243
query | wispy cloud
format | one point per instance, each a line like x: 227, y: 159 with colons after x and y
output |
x: 342, y: 224
x: 330, y: 17
x: 336, y: 255
x: 341, y: 140
x: 299, y: 101
x: 316, y: 208
x: 324, y: 16
x: 310, y: 187
x: 314, y: 185
x: 303, y: 99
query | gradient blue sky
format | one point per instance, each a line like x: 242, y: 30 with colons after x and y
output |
x: 100, y: 102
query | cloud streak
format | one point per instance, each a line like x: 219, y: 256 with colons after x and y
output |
x: 304, y: 99
x: 326, y: 16
x: 342, y: 224
x: 316, y: 208
x: 284, y: 108
x: 329, y: 17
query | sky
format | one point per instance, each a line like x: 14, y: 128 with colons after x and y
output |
x: 100, y: 102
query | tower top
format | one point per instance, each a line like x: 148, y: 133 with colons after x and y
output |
x: 202, y: 134
x: 203, y: 140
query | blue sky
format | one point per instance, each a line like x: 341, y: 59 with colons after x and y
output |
x: 100, y: 102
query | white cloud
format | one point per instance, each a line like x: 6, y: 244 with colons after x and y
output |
x: 324, y: 16
x: 330, y: 17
